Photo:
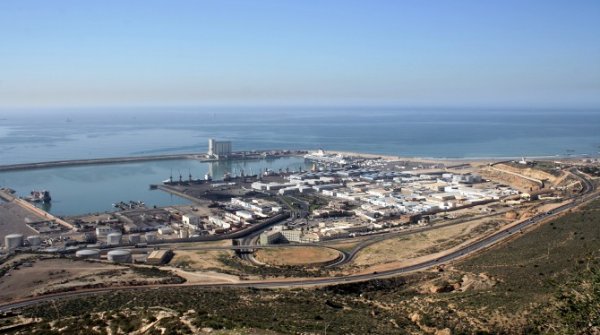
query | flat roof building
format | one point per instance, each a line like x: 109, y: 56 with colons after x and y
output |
x: 218, y: 149
x: 158, y: 257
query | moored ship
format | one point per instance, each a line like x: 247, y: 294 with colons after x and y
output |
x: 42, y: 196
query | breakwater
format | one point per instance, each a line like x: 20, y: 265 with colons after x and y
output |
x: 133, y: 159
x: 99, y: 161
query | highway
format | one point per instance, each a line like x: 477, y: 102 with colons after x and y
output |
x: 586, y: 195
x: 250, y: 242
x: 378, y: 238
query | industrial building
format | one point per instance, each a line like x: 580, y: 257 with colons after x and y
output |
x: 270, y: 237
x: 34, y: 240
x: 150, y: 237
x: 88, y: 254
x: 13, y: 241
x: 114, y: 238
x: 218, y: 149
x: 191, y: 219
x: 158, y: 257
x: 119, y: 256
x: 280, y: 235
x: 103, y: 231
x: 135, y: 238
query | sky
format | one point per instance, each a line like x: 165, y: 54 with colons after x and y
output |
x: 519, y: 53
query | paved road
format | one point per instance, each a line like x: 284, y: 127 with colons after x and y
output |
x: 360, y: 246
x: 484, y: 243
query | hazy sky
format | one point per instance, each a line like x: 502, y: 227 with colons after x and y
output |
x: 399, y: 52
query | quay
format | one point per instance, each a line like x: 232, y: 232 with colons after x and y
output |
x: 98, y: 161
x: 132, y: 159
x: 34, y: 210
x: 171, y: 190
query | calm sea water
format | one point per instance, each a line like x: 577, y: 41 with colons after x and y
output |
x: 87, y: 189
x: 72, y: 134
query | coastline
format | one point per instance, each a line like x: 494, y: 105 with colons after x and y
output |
x: 200, y: 157
x: 95, y: 161
x: 123, y: 160
x: 477, y: 159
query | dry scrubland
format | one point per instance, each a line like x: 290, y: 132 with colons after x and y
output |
x: 201, y: 259
x: 545, y: 281
x: 34, y: 275
x: 424, y: 243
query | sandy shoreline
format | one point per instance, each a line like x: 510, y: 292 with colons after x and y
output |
x: 131, y: 159
x: 453, y: 159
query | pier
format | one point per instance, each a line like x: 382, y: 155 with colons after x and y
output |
x: 34, y: 210
x: 133, y: 159
x: 99, y: 161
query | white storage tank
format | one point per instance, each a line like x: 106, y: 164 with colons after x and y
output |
x: 119, y: 256
x: 165, y: 230
x: 71, y: 248
x: 183, y: 233
x: 150, y: 237
x: 135, y: 238
x: 114, y: 238
x: 34, y: 240
x: 12, y: 241
x: 88, y: 254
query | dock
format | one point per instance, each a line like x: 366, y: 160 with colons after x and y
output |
x: 99, y: 161
x: 133, y: 159
x: 32, y: 209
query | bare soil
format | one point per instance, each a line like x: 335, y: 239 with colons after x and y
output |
x: 430, y: 242
x: 296, y: 256
x: 50, y: 274
x: 200, y: 259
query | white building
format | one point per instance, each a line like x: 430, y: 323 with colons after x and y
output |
x: 257, y: 185
x: 291, y: 235
x: 165, y: 230
x: 190, y: 219
x: 259, y: 206
x: 323, y: 187
x: 218, y: 149
x: 219, y: 222
x: 269, y: 237
x: 102, y: 231
x: 244, y: 214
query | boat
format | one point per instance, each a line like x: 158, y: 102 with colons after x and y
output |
x: 42, y: 196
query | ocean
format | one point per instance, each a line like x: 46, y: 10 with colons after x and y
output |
x: 94, y: 188
x: 445, y: 133
x: 76, y: 134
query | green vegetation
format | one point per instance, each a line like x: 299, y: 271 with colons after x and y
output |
x: 267, y: 271
x: 151, y: 272
x: 544, y: 281
x: 591, y: 170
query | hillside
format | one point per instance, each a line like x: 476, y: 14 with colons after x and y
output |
x: 543, y: 281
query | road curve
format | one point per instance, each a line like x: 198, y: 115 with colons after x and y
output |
x: 484, y: 243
